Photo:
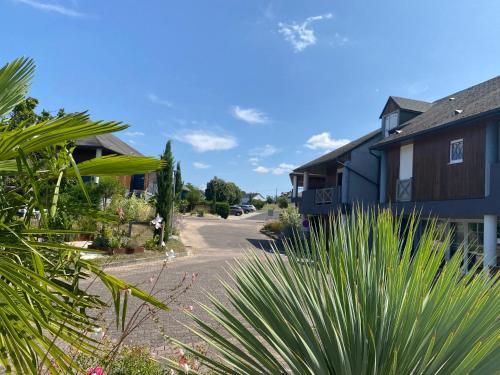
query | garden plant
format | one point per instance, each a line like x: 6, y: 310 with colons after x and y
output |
x: 362, y: 297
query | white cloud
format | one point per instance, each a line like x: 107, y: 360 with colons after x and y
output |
x: 131, y: 142
x: 52, y: 7
x: 279, y: 170
x: 207, y: 141
x: 156, y: 100
x: 199, y: 165
x: 324, y: 141
x: 250, y: 115
x: 261, y: 169
x: 283, y: 168
x: 301, y: 35
x: 254, y: 161
x: 134, y: 134
x: 267, y: 150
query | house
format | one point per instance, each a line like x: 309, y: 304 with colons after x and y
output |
x: 442, y: 159
x: 108, y: 144
x: 248, y: 197
x: 335, y: 181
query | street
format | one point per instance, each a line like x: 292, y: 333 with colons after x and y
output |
x: 213, y: 243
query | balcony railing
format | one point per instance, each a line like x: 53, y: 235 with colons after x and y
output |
x: 327, y: 196
x: 404, y: 190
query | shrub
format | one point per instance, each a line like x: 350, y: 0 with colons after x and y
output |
x: 364, y: 296
x: 282, y: 202
x: 274, y: 226
x: 183, y: 206
x: 134, y: 208
x: 200, y: 212
x: 222, y: 209
x: 258, y: 204
x: 290, y: 218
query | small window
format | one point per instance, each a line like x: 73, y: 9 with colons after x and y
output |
x: 456, y: 151
x: 390, y: 122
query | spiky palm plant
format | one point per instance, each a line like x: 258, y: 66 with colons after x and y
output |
x: 364, y: 297
x: 43, y: 309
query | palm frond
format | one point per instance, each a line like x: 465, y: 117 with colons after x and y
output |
x: 116, y: 165
x: 14, y: 81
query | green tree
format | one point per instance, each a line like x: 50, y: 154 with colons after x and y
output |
x: 165, y: 181
x: 269, y: 199
x: 282, y: 201
x: 107, y: 187
x: 365, y: 296
x: 45, y: 310
x: 193, y: 197
x: 178, y: 181
x: 24, y: 115
x: 222, y: 191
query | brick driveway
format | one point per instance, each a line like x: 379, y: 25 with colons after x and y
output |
x: 214, y: 243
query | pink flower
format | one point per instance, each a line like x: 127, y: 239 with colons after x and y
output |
x: 120, y: 213
x: 190, y: 308
x: 95, y: 371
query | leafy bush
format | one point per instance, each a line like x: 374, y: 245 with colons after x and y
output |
x: 222, y: 209
x: 274, y: 226
x: 290, y: 218
x: 128, y: 360
x: 282, y: 202
x: 258, y: 204
x: 200, y: 212
x: 183, y: 206
x: 134, y: 208
x: 364, y: 296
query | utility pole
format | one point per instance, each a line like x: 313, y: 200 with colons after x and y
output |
x: 276, y: 197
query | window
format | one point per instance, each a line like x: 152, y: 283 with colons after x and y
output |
x: 390, y: 121
x: 456, y: 151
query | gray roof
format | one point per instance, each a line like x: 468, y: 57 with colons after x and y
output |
x: 411, y: 104
x: 109, y: 142
x: 461, y: 106
x: 339, y: 151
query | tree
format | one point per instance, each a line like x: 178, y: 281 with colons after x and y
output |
x: 107, y: 187
x: 165, y: 196
x: 269, y: 199
x: 365, y: 296
x: 24, y: 115
x: 45, y: 310
x: 194, y: 196
x: 282, y: 201
x: 178, y: 182
x: 222, y: 191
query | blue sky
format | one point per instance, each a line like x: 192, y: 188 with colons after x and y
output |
x: 248, y: 89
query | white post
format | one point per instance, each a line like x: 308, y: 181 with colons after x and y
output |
x: 306, y: 181
x: 98, y: 154
x: 295, y: 187
x: 490, y: 241
x: 466, y: 247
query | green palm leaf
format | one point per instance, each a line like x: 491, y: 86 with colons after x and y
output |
x: 14, y: 81
x: 116, y: 165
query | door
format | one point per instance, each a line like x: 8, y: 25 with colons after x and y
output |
x: 406, y: 162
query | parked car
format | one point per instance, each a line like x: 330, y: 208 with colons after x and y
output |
x: 236, y: 210
x: 248, y: 208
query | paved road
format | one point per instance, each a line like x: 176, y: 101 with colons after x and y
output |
x: 214, y: 243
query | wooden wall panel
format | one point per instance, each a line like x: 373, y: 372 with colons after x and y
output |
x: 434, y: 178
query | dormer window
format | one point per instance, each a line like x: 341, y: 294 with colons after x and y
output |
x: 390, y: 122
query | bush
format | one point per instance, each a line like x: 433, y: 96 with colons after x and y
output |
x: 282, y: 202
x: 274, y: 226
x: 222, y: 209
x: 134, y: 208
x: 183, y: 206
x: 200, y: 212
x: 258, y: 204
x: 290, y: 218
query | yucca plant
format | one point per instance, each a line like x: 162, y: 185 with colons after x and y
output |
x: 44, y: 310
x: 363, y: 297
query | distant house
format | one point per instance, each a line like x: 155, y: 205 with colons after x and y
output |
x: 252, y: 196
x: 108, y: 144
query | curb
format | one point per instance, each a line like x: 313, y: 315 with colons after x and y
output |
x: 158, y: 258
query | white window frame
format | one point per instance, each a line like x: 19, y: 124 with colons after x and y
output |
x: 385, y: 120
x: 456, y: 161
